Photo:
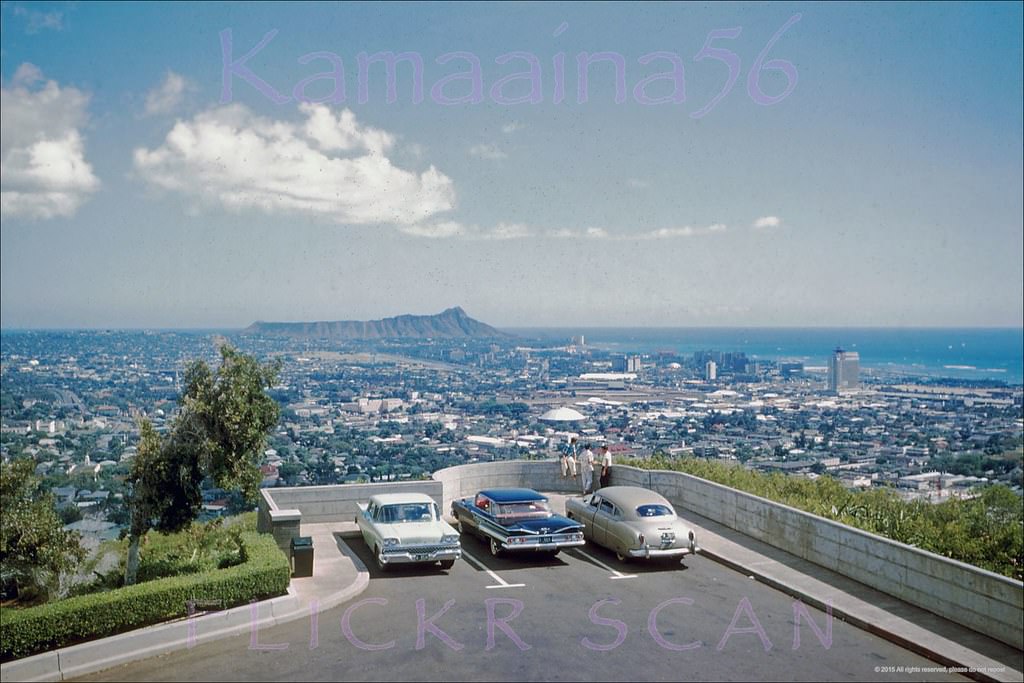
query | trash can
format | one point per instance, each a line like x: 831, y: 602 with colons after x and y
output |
x: 302, y: 556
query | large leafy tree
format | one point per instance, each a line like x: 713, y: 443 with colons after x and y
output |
x: 35, y: 550
x: 220, y: 432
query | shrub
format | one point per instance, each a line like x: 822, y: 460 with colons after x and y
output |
x: 986, y: 531
x: 264, y: 573
x: 199, y: 548
x: 35, y: 551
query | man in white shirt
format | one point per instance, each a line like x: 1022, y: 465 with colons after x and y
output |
x: 587, y: 468
x: 569, y: 459
x: 606, y: 465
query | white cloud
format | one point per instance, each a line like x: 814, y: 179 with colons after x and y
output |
x: 637, y: 183
x: 685, y: 231
x: 586, y: 233
x: 27, y: 74
x: 343, y: 133
x: 327, y: 166
x: 511, y: 127
x: 509, y: 231
x: 487, y: 152
x: 43, y: 171
x: 440, y: 230
x: 40, y: 20
x: 166, y: 97
x: 416, y: 150
x: 766, y: 222
x: 659, y: 234
x: 454, y: 229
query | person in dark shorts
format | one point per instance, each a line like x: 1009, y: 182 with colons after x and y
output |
x: 606, y: 465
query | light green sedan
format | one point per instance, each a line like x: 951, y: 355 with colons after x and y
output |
x: 632, y: 522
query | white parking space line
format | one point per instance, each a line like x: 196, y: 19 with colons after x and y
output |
x: 502, y: 583
x: 599, y: 563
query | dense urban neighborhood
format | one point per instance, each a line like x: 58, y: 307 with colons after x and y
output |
x: 402, y: 408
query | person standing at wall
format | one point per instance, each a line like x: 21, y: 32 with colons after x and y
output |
x: 569, y: 459
x: 606, y: 465
x: 587, y: 468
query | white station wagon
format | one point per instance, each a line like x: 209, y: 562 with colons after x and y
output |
x: 405, y: 528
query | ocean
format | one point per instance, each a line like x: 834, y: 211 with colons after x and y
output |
x: 960, y: 353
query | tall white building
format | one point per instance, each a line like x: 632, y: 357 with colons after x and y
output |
x: 843, y: 371
x: 710, y: 371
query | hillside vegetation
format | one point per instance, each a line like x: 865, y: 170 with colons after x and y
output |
x: 986, y: 531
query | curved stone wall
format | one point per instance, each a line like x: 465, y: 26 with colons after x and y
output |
x: 981, y: 600
x: 465, y: 480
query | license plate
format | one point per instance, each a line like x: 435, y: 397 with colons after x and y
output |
x: 421, y: 556
x: 546, y: 539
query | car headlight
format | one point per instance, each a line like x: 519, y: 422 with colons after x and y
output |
x: 390, y: 541
x: 449, y: 540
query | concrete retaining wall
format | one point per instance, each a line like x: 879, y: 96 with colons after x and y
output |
x: 337, y: 502
x: 981, y: 600
x: 283, y: 510
x: 465, y: 480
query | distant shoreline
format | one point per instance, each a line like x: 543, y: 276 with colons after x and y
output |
x: 994, y: 354
x: 549, y: 329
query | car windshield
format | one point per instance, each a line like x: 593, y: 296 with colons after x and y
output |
x: 654, y: 511
x: 535, y: 508
x: 407, y: 512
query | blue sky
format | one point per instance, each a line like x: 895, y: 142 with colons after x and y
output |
x: 884, y: 189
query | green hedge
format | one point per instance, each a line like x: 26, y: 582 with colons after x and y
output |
x: 264, y: 574
x: 986, y: 531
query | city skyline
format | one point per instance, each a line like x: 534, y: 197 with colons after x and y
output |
x: 151, y: 181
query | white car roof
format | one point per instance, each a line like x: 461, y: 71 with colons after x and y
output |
x: 630, y: 497
x: 395, y: 498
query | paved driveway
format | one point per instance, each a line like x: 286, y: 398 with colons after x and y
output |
x: 579, y: 616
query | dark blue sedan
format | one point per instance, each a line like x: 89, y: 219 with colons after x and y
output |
x: 516, y: 520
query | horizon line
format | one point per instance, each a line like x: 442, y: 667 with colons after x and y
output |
x: 113, y: 328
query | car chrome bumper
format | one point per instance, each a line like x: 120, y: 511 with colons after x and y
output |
x: 654, y: 553
x: 535, y: 545
x: 410, y: 556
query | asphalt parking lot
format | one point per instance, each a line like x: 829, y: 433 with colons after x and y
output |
x: 581, y: 615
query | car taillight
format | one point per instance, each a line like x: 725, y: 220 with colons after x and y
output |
x: 641, y: 539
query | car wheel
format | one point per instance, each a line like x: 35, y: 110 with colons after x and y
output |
x: 458, y: 525
x: 381, y: 564
x: 447, y: 564
x: 619, y: 556
x: 495, y: 548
